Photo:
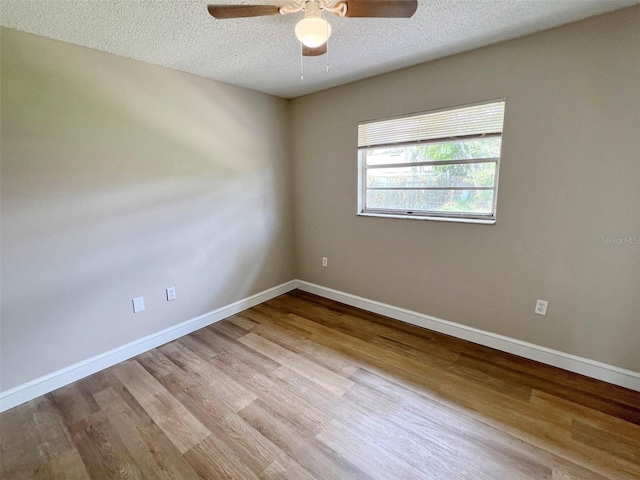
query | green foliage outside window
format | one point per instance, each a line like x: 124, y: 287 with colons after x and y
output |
x: 454, y: 175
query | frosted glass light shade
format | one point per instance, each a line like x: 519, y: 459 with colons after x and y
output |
x: 313, y: 31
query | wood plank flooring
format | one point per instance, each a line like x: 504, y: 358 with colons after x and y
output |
x: 301, y: 387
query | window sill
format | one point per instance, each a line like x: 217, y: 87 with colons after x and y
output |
x: 480, y: 221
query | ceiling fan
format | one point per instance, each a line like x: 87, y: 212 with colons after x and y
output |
x: 313, y: 30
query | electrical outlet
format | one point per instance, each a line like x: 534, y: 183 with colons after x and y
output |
x: 171, y: 293
x: 324, y: 261
x: 138, y: 304
x: 541, y: 307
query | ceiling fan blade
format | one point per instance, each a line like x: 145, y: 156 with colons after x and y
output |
x: 314, y: 52
x: 381, y: 8
x: 240, y: 11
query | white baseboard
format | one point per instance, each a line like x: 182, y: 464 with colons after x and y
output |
x: 30, y: 390
x: 590, y: 368
x: 584, y: 366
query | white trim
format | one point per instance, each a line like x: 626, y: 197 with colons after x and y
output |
x: 590, y: 368
x: 47, y: 383
x: 573, y: 363
x: 478, y: 221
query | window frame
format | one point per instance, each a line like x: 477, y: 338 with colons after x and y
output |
x: 455, y: 216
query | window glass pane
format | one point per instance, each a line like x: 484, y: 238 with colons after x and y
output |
x: 463, y: 201
x: 457, y: 175
x: 433, y: 152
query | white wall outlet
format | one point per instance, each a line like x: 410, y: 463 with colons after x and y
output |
x: 171, y: 293
x: 138, y: 304
x: 541, y: 307
x: 324, y: 261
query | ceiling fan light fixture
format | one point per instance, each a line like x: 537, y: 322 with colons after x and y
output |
x: 313, y: 31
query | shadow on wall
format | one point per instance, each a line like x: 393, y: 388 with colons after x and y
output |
x: 120, y: 179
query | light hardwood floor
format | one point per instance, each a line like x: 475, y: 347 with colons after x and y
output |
x: 302, y: 387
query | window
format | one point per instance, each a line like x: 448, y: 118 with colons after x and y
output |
x: 440, y: 165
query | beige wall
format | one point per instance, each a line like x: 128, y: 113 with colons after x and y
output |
x: 120, y: 179
x: 570, y: 176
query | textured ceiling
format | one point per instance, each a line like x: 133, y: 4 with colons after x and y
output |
x: 263, y: 53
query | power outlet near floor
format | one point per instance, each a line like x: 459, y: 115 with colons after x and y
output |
x: 541, y: 307
x: 138, y: 304
x: 324, y: 262
x: 171, y: 293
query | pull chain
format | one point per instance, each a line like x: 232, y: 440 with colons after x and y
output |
x: 301, y: 63
x: 327, y: 47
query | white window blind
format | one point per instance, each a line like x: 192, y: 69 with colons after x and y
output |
x: 467, y: 121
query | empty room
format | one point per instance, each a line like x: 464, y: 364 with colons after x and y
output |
x: 300, y: 239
